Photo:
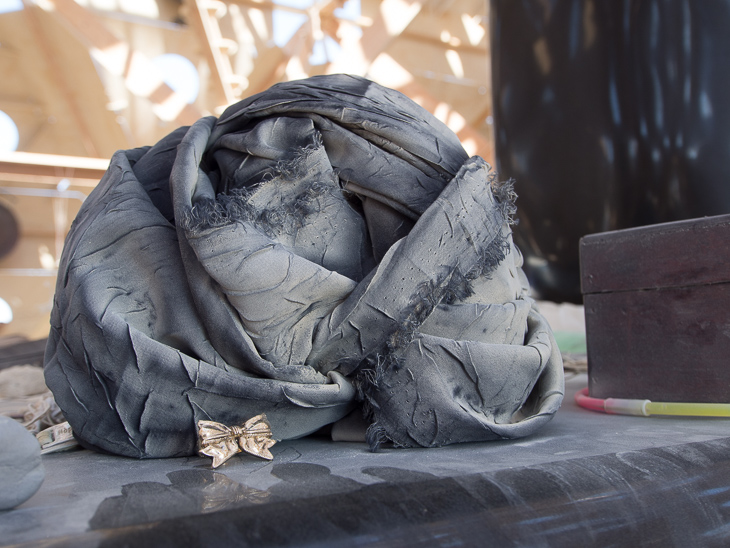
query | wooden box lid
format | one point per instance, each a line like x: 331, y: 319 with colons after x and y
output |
x: 657, y: 315
x: 682, y: 253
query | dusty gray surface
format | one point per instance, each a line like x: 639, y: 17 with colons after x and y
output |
x: 86, y: 492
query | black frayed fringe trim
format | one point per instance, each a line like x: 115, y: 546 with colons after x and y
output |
x: 295, y: 168
x: 366, y: 382
x: 455, y: 285
x: 505, y: 196
x: 450, y: 288
x: 227, y: 209
x: 235, y: 207
x: 292, y: 216
x: 376, y: 436
x: 224, y: 210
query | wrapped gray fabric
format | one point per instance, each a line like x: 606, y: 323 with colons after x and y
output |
x: 324, y: 245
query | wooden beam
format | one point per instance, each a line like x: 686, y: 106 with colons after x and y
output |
x: 393, y: 18
x: 209, y: 32
x: 58, y: 79
x: 269, y: 5
x: 48, y: 169
x: 255, y: 18
x: 18, y: 103
x: 275, y: 69
x: 448, y: 44
x: 141, y: 77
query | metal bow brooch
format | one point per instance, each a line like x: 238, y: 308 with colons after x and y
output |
x: 222, y: 442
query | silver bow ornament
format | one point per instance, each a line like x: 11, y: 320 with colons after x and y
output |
x: 222, y: 442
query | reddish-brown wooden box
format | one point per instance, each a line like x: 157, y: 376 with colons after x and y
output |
x: 657, y: 307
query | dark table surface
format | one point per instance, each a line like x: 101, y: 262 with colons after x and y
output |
x: 585, y: 479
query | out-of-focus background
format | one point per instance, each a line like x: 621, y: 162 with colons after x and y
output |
x: 607, y: 114
x: 84, y: 78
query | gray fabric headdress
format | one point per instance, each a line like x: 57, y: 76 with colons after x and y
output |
x: 323, y: 245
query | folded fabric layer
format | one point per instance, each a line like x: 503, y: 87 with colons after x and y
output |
x: 324, y: 245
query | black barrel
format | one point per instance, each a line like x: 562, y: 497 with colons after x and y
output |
x: 609, y: 114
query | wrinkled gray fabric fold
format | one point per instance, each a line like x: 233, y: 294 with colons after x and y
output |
x: 324, y: 245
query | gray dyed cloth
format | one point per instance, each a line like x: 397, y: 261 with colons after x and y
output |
x: 324, y: 245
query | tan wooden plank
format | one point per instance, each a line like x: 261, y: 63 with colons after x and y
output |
x: 49, y: 164
x: 115, y: 55
x: 211, y: 39
x: 393, y: 17
x: 57, y: 78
